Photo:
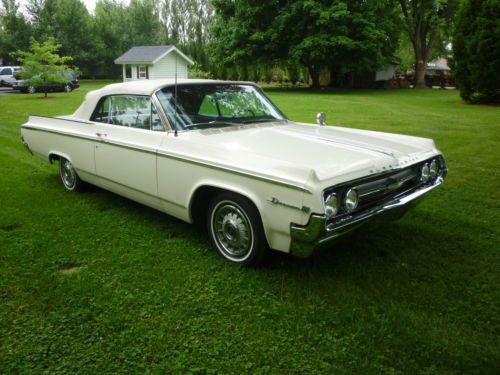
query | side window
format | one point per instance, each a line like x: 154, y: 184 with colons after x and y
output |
x: 101, y: 112
x: 131, y: 111
x: 6, y: 72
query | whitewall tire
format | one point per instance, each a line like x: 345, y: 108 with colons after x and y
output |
x: 235, y: 228
x: 68, y: 175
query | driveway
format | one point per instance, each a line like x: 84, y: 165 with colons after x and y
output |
x: 8, y: 90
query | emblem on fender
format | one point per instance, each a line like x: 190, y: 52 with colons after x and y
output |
x: 276, y: 201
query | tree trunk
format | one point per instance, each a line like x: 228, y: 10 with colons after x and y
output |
x: 420, y: 74
x: 314, y: 73
x: 45, y: 97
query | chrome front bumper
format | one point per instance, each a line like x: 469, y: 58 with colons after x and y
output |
x: 317, y: 233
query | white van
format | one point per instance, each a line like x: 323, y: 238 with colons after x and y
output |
x: 7, y: 75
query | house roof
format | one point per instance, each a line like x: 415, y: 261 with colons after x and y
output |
x: 149, y: 54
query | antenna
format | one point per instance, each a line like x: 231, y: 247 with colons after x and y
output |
x: 175, y: 96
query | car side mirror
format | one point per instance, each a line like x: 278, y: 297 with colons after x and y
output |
x: 321, y: 119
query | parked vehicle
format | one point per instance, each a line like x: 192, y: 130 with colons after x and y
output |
x: 221, y: 153
x: 70, y: 83
x: 7, y: 75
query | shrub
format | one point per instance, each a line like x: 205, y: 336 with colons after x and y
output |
x: 476, y: 47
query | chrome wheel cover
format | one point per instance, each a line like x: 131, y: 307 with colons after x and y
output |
x: 68, y: 174
x: 232, y: 231
x: 67, y: 88
x: 31, y: 90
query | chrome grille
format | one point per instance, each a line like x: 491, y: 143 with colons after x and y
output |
x: 376, y: 190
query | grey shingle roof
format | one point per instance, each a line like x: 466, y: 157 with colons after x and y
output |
x: 142, y: 54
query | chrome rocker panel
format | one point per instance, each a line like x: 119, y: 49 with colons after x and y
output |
x: 306, y: 239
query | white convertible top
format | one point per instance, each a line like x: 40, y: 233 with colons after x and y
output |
x: 141, y: 87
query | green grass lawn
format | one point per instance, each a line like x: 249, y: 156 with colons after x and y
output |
x: 94, y: 283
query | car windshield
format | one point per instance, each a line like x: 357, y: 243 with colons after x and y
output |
x: 205, y: 106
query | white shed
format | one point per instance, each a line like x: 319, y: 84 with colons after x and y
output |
x: 154, y: 62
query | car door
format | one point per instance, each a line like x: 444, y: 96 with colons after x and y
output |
x: 128, y: 133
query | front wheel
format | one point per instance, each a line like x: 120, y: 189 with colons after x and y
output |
x: 68, y: 88
x: 31, y: 90
x: 235, y: 228
x: 69, y: 177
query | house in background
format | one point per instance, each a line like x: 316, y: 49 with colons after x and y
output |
x: 154, y: 62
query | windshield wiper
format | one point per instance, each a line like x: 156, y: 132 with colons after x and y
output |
x: 263, y: 120
x: 211, y: 123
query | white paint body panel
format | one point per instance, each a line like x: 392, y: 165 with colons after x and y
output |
x: 291, y: 162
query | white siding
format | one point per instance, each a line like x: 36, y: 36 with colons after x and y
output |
x: 165, y: 68
x: 386, y: 74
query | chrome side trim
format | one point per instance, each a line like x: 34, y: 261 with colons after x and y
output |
x: 63, y: 119
x: 307, y: 238
x: 175, y: 157
x: 73, y: 135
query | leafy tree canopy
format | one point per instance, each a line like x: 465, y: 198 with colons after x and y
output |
x: 42, y: 66
x: 315, y: 33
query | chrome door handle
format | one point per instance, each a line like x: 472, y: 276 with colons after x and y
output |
x: 101, y: 134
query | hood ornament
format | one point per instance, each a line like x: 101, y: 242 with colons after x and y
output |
x: 321, y: 119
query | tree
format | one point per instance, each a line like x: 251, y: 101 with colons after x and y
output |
x: 110, y: 29
x: 317, y: 34
x: 425, y: 21
x: 15, y: 31
x: 42, y: 66
x: 70, y: 23
x: 476, y: 48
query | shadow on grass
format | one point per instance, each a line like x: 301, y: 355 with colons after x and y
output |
x: 367, y: 247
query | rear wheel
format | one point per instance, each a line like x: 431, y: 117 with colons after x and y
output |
x: 235, y: 228
x: 69, y: 177
x: 31, y: 90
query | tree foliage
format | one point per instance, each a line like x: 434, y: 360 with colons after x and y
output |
x: 15, y: 31
x: 42, y: 66
x: 318, y: 34
x: 476, y: 46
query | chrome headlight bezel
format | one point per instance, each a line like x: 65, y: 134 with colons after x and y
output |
x: 433, y: 169
x: 331, y: 204
x: 425, y: 173
x: 351, y: 200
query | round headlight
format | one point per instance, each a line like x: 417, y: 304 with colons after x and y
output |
x: 434, y: 169
x: 425, y: 173
x: 351, y: 200
x: 331, y: 206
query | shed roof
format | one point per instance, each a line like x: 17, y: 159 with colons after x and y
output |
x: 149, y: 54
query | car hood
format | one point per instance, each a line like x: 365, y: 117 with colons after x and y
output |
x: 303, y: 153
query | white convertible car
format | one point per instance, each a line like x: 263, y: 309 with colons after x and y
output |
x: 222, y: 153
